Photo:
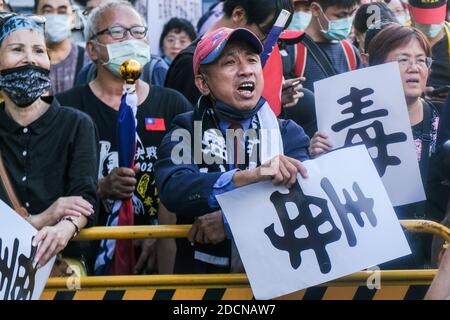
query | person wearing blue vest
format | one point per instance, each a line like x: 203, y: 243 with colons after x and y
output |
x: 258, y: 147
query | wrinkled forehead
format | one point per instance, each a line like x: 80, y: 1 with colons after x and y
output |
x: 120, y: 15
x: 236, y: 47
x: 27, y: 37
x: 232, y: 49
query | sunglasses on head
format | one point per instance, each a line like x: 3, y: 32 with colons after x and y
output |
x: 39, y: 20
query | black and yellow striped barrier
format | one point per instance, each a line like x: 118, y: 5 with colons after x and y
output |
x: 394, y: 285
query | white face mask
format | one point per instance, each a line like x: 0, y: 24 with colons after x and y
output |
x: 404, y: 20
x: 118, y: 52
x: 430, y: 30
x: 57, y: 27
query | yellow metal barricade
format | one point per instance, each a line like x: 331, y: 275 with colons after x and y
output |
x: 364, y: 285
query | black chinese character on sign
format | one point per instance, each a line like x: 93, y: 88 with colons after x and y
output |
x: 25, y: 279
x: 315, y: 240
x: 357, y: 105
x: 350, y: 207
x: 18, y: 283
x: 381, y: 141
x: 7, y: 270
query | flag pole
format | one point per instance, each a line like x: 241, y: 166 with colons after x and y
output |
x: 273, y: 35
x: 117, y: 256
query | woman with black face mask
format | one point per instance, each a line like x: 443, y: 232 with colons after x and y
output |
x: 49, y: 152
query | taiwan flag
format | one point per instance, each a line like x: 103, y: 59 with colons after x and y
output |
x: 273, y: 65
x: 155, y: 124
x: 124, y: 259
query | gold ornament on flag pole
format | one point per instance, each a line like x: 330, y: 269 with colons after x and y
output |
x: 130, y: 71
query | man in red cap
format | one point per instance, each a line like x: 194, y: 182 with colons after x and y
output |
x: 231, y: 139
x: 258, y: 16
x: 429, y: 17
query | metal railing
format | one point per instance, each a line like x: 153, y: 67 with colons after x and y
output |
x: 181, y: 231
x: 392, y: 278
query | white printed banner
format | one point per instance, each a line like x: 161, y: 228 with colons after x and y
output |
x: 369, y: 106
x: 19, y: 279
x: 336, y: 222
x: 158, y: 12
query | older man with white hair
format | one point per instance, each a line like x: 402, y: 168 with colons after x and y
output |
x: 154, y: 72
x: 117, y: 33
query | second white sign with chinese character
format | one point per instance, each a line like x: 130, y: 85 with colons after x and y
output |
x: 19, y: 278
x: 369, y: 106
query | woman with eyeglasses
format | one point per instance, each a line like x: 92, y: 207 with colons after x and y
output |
x: 412, y: 50
x: 49, y: 151
x: 118, y: 33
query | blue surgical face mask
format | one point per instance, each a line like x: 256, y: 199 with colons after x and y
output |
x: 430, y: 30
x: 300, y: 21
x: 337, y: 29
x: 57, y: 27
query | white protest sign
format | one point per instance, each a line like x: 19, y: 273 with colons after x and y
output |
x: 158, y: 12
x: 369, y: 105
x: 293, y: 239
x: 19, y: 280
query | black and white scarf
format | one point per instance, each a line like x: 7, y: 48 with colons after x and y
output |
x: 259, y: 149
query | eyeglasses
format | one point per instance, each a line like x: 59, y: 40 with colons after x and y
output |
x: 5, y: 15
x: 119, y: 32
x: 422, y: 63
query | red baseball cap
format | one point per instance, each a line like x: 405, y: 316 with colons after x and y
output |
x: 210, y: 47
x: 428, y: 12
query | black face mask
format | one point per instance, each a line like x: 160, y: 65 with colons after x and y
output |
x: 24, y: 84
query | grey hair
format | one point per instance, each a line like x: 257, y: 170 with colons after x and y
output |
x: 94, y: 18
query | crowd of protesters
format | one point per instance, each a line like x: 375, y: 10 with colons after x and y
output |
x: 61, y: 99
